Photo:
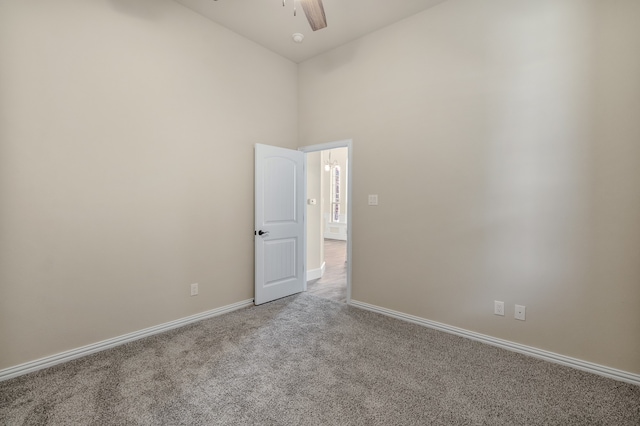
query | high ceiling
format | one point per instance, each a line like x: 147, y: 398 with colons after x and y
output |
x: 271, y: 25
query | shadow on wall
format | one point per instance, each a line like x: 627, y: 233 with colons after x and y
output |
x: 148, y: 10
x: 340, y: 57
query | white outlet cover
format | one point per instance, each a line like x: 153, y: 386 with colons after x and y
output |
x: 373, y: 199
x: 498, y: 307
x: 520, y: 312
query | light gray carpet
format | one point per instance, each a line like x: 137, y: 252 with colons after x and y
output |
x: 304, y: 360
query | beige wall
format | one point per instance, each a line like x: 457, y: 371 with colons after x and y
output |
x: 126, y: 167
x: 315, y: 246
x: 510, y: 128
x: 511, y: 136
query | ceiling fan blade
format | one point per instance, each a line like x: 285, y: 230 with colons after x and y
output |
x: 315, y: 14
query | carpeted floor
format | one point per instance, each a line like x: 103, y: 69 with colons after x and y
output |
x: 304, y: 360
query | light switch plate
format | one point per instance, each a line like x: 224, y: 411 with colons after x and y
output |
x: 373, y: 199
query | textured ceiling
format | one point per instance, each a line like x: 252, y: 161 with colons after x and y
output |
x: 271, y: 25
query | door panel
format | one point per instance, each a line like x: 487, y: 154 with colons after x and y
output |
x: 279, y: 217
x: 279, y: 190
x: 280, y: 261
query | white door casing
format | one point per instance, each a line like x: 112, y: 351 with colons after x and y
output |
x: 348, y: 143
x: 279, y: 223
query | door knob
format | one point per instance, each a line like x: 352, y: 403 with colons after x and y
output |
x: 261, y: 232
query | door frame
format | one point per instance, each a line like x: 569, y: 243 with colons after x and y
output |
x: 347, y: 143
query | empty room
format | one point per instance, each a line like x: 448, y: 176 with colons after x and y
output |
x: 160, y: 231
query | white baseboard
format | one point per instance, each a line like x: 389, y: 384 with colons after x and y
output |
x: 334, y: 236
x: 579, y: 364
x: 316, y: 273
x: 59, y: 358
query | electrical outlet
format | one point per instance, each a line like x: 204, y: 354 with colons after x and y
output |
x: 498, y: 307
x: 194, y: 289
x: 520, y: 311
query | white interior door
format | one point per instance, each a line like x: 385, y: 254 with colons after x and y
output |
x: 279, y: 223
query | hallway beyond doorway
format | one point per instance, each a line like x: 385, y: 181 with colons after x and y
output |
x: 333, y: 284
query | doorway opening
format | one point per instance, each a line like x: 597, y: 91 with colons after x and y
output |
x: 328, y: 218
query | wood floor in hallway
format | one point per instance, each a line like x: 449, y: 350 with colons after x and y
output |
x: 333, y: 284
